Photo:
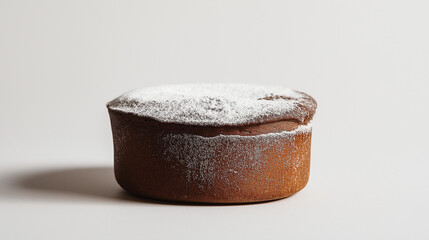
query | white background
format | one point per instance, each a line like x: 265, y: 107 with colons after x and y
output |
x: 366, y: 63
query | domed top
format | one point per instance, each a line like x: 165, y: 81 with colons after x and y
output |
x: 216, y: 104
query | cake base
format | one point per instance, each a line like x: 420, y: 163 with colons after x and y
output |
x: 240, y: 164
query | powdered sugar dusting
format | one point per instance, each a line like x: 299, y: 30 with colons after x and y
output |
x: 216, y: 104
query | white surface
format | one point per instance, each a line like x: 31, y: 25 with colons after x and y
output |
x: 216, y: 104
x: 365, y: 62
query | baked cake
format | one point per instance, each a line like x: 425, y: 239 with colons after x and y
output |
x: 212, y: 143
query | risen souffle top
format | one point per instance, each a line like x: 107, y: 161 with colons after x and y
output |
x: 216, y: 104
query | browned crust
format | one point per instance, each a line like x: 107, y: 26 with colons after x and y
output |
x: 142, y: 166
x: 210, y: 131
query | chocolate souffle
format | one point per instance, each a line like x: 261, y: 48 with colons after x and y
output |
x: 212, y: 143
